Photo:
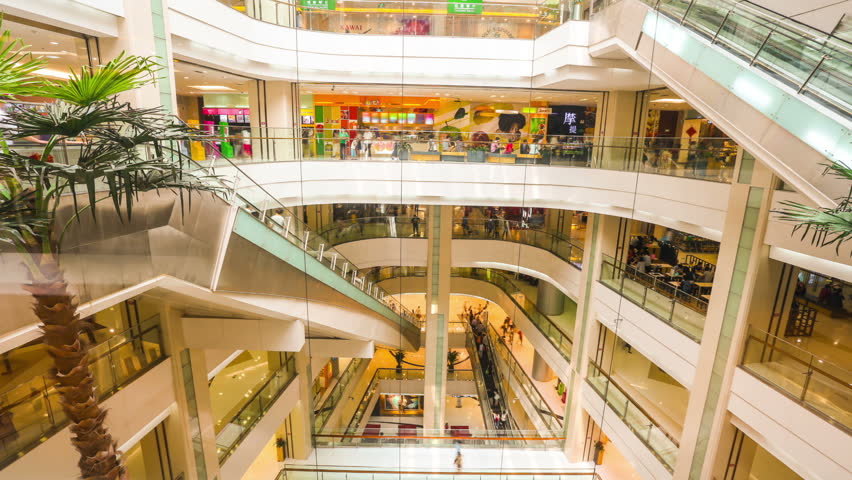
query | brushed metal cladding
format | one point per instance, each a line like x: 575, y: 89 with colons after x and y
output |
x: 248, y: 268
x: 110, y: 254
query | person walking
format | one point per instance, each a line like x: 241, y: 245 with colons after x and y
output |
x: 415, y: 225
x: 458, y: 461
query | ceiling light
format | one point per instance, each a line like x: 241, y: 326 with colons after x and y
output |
x: 211, y: 87
x: 186, y: 78
x: 492, y: 96
x: 52, y: 56
x: 46, y: 72
x: 506, y: 111
x: 309, y: 91
x: 668, y: 100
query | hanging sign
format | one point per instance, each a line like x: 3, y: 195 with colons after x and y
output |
x: 319, y: 4
x: 465, y: 7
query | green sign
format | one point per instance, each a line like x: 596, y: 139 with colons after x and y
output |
x: 319, y: 4
x: 468, y: 7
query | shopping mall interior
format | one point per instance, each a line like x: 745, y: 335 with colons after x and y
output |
x: 426, y: 240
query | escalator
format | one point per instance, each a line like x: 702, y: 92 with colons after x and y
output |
x: 779, y: 88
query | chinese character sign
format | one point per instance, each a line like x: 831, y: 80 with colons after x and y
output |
x: 319, y: 4
x: 567, y: 120
x: 469, y: 7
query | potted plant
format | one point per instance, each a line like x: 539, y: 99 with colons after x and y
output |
x: 452, y: 358
x: 399, y: 356
x: 280, y: 448
x: 404, y: 150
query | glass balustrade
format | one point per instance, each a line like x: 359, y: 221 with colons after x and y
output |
x: 365, y: 228
x: 702, y: 158
x: 230, y: 437
x: 814, y: 382
x: 550, y: 420
x: 657, y: 296
x: 32, y: 411
x: 661, y: 444
x: 812, y: 62
x: 307, y: 472
x: 323, y: 411
x: 416, y: 18
x: 519, y: 232
x: 560, y: 340
x: 391, y: 434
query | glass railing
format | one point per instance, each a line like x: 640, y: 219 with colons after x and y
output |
x: 710, y: 159
x: 364, y: 228
x: 307, y: 472
x: 406, y: 434
x: 812, y: 62
x: 818, y: 384
x: 417, y: 18
x: 460, y: 375
x: 233, y: 434
x: 560, y: 340
x: 32, y: 412
x: 242, y: 191
x: 323, y: 411
x: 661, y: 444
x: 703, y: 158
x: 657, y: 296
x: 519, y: 232
x: 548, y: 417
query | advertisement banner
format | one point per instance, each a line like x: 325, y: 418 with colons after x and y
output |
x: 466, y: 7
x: 319, y: 4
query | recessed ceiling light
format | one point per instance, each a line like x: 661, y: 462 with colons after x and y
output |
x: 52, y: 56
x: 492, y: 96
x: 211, y: 87
x: 309, y: 91
x: 54, y: 43
x: 186, y: 78
x: 668, y: 100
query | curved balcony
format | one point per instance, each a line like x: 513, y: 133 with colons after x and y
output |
x: 555, y: 335
x: 366, y: 228
x: 674, y: 187
x: 423, y: 18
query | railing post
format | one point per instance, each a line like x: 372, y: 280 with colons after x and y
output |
x: 808, y: 376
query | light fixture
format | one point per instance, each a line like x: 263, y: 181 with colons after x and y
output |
x: 54, y: 43
x: 186, y: 78
x: 668, y: 100
x: 46, y: 72
x: 211, y: 87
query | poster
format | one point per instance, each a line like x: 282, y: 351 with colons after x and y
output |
x: 464, y: 7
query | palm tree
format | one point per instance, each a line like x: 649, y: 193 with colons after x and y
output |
x: 827, y: 226
x: 121, y: 152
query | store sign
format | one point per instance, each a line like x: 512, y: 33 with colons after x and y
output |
x: 465, y: 7
x: 546, y: 110
x: 319, y: 4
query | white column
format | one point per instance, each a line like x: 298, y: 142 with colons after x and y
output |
x: 619, y: 118
x: 550, y: 300
x: 438, y: 314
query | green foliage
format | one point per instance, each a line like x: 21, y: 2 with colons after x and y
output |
x: 93, y: 85
x: 96, y: 149
x: 399, y: 356
x: 16, y: 67
x: 826, y: 226
x: 452, y: 358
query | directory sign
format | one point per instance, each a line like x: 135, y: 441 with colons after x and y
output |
x: 319, y: 4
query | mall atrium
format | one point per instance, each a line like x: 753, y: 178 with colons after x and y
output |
x: 419, y: 239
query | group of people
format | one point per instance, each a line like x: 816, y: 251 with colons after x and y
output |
x: 478, y: 319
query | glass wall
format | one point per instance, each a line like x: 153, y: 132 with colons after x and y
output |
x: 150, y: 459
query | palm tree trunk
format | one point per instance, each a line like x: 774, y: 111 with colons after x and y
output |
x: 56, y: 307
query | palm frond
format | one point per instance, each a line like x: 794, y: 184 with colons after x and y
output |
x: 94, y: 85
x: 825, y: 226
x: 17, y: 67
x: 20, y: 223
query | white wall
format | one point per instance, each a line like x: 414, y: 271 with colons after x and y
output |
x: 669, y: 349
x: 805, y: 442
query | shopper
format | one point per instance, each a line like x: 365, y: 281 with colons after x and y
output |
x: 458, y: 461
x: 415, y: 225
x: 278, y: 220
x: 343, y: 135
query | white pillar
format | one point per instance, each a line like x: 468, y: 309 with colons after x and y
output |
x: 273, y: 120
x: 438, y: 314
x: 541, y: 371
x: 550, y: 300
